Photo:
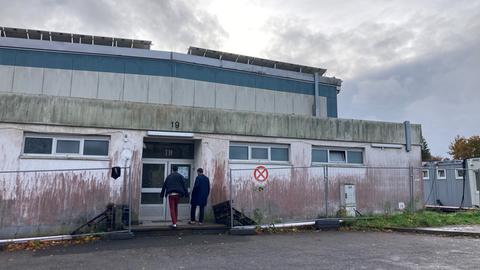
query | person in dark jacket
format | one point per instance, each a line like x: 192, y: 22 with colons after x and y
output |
x: 200, y: 192
x: 174, y: 188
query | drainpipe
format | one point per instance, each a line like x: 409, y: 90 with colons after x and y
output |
x: 408, y: 136
x: 317, y: 94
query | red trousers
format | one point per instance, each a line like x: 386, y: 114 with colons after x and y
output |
x: 173, y: 203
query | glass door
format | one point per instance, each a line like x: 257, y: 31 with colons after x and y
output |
x: 152, y: 205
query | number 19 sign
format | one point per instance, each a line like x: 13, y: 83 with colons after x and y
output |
x: 260, y: 173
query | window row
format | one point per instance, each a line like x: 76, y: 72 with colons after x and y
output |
x: 57, y: 145
x: 259, y: 152
x: 351, y: 156
x: 442, y: 174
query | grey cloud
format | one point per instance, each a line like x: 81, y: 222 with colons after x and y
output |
x: 171, y: 25
x: 424, y: 70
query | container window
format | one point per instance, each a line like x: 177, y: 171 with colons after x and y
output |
x: 38, y: 145
x: 319, y: 155
x: 239, y: 152
x: 336, y: 156
x: 95, y: 148
x: 355, y: 157
x: 68, y: 147
x: 279, y: 154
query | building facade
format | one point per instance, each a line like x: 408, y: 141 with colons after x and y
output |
x: 74, y: 101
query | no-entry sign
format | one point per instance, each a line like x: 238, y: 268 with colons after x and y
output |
x: 260, y: 173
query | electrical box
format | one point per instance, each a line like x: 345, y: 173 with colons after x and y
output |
x: 348, y: 199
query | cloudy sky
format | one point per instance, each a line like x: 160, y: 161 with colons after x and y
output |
x: 399, y: 60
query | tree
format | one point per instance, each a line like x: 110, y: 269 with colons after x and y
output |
x: 463, y: 148
x: 426, y: 155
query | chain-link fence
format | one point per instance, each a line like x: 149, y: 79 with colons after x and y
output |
x: 291, y: 194
x: 65, y: 201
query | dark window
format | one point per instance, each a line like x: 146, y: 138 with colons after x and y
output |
x: 38, y: 145
x: 279, y: 154
x: 337, y: 156
x: 259, y: 153
x: 239, y: 152
x: 319, y: 155
x: 168, y: 150
x: 355, y: 157
x: 95, y: 148
x: 68, y: 147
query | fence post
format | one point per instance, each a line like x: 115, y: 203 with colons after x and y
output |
x: 325, y: 177
x: 231, y: 198
x: 412, y: 200
x: 130, y: 198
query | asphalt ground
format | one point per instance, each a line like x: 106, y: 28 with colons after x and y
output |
x: 302, y: 250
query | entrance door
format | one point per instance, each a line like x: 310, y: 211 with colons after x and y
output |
x: 154, y: 208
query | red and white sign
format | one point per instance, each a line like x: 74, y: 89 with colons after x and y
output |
x: 260, y: 173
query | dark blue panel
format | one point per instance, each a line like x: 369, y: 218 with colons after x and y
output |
x: 7, y: 57
x: 148, y: 67
x: 194, y: 72
x: 332, y: 107
x: 99, y: 63
x: 234, y: 78
x: 43, y: 59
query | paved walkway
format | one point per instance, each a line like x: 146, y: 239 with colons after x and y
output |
x: 307, y: 250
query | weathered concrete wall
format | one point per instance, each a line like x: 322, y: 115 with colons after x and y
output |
x: 39, y: 203
x: 126, y: 115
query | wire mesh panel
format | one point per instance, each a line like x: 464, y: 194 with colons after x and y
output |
x: 52, y: 202
x: 293, y: 194
x: 288, y: 194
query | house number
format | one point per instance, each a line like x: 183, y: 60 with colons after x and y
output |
x: 176, y: 124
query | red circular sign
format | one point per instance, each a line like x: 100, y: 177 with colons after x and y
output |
x: 260, y: 173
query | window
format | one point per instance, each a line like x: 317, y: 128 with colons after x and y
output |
x: 426, y: 174
x: 441, y: 174
x: 239, y: 152
x: 355, y: 157
x: 279, y: 154
x: 337, y: 156
x: 459, y: 173
x: 38, y: 145
x: 319, y: 155
x: 257, y: 152
x: 65, y: 145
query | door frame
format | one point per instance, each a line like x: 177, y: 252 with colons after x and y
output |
x: 167, y: 162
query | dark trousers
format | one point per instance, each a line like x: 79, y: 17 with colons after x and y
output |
x: 173, y: 203
x: 193, y: 209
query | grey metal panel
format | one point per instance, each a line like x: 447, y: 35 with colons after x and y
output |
x: 204, y: 94
x: 84, y: 84
x: 225, y: 96
x: 283, y: 102
x: 28, y: 80
x: 57, y: 82
x: 136, y: 88
x: 183, y: 92
x: 245, y: 99
x: 110, y: 86
x: 322, y: 102
x: 303, y: 104
x: 447, y: 191
x: 6, y: 78
x: 160, y: 89
x: 264, y: 101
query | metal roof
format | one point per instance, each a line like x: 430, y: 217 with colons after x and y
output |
x: 250, y: 60
x: 73, y: 38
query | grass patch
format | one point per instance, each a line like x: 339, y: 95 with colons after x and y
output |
x: 419, y: 219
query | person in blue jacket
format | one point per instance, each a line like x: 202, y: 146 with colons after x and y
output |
x: 200, y: 192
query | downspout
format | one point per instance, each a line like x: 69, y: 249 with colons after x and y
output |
x: 317, y: 94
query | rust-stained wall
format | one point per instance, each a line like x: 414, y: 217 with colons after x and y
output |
x: 49, y: 203
x: 39, y: 203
